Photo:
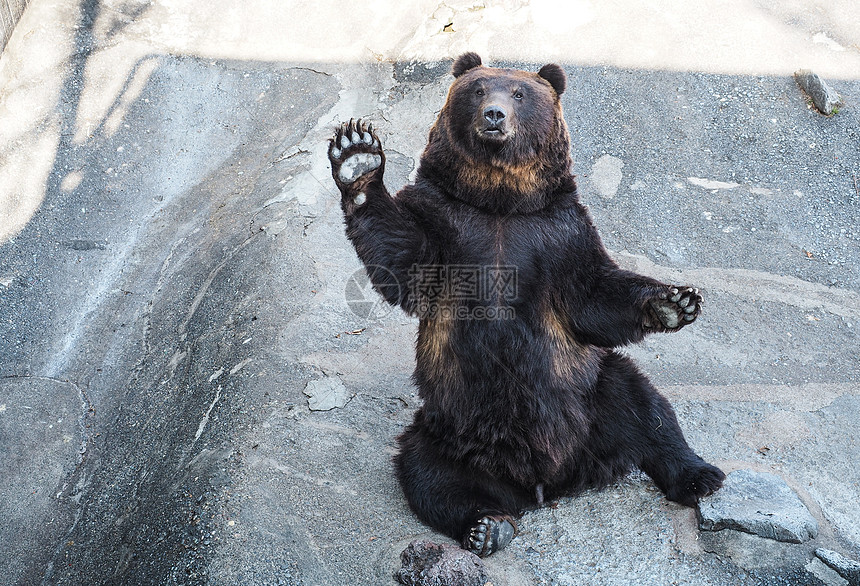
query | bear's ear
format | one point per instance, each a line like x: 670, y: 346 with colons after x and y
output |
x: 556, y: 77
x: 465, y: 62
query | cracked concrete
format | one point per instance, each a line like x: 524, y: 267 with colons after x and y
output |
x: 173, y: 273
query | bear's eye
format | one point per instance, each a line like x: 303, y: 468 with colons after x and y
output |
x: 518, y: 95
x: 479, y: 92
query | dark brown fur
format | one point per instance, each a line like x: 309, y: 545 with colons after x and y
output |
x: 534, y: 403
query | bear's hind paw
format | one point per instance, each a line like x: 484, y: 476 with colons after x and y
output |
x: 354, y: 151
x: 695, y: 484
x: 489, y: 535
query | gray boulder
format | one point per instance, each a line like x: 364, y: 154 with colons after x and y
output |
x: 847, y: 568
x: 758, y: 503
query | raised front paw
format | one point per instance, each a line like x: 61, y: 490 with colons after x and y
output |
x: 673, y: 309
x: 355, y: 152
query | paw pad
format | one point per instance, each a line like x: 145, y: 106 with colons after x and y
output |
x: 676, y: 307
x: 354, y: 151
x: 357, y: 165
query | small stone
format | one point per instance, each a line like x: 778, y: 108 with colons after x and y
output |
x: 327, y: 393
x: 826, y: 100
x: 424, y: 563
x: 847, y: 568
x: 758, y: 503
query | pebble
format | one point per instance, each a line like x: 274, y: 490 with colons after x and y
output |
x: 327, y: 393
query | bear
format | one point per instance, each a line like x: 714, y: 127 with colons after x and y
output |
x: 520, y: 308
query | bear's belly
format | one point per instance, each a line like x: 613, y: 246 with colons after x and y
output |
x: 508, y: 399
x: 525, y: 449
x: 509, y: 360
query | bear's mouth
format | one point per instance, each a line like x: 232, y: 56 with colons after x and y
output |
x: 493, y: 132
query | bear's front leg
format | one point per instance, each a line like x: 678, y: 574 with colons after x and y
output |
x: 671, y: 310
x: 388, y: 237
x: 357, y: 163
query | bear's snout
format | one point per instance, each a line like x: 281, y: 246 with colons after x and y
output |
x: 494, y: 122
x: 494, y: 115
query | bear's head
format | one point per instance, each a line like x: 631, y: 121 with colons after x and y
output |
x: 500, y: 141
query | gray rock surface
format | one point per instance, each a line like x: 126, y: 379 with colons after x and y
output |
x: 758, y: 503
x: 174, y: 271
x: 825, y: 98
x: 432, y: 564
x: 825, y: 575
x: 326, y: 393
x: 845, y: 567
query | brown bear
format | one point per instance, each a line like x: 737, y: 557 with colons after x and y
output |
x: 519, y: 306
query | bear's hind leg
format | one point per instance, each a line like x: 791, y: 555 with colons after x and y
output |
x: 472, y: 507
x: 677, y: 470
x: 673, y: 466
x: 657, y: 444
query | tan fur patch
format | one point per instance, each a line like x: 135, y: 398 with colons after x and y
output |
x: 433, y: 347
x: 522, y: 179
x: 569, y: 357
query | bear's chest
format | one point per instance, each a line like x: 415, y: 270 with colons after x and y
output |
x: 508, y: 257
x: 488, y: 239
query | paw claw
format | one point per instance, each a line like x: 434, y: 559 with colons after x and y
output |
x: 693, y: 484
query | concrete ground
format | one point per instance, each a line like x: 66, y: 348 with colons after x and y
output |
x: 173, y: 273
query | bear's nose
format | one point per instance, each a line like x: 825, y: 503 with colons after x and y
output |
x: 494, y: 114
